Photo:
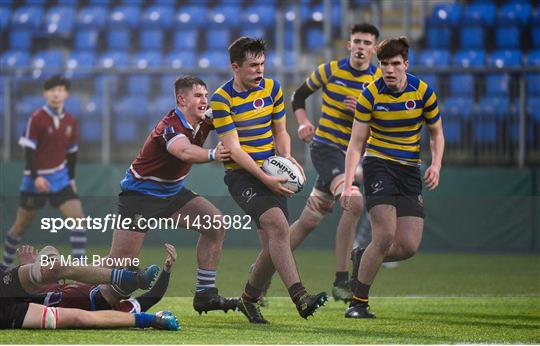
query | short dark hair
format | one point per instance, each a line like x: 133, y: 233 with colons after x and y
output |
x: 56, y: 80
x: 186, y: 82
x: 365, y: 28
x: 391, y: 47
x: 243, y: 46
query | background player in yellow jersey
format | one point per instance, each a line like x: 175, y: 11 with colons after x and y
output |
x: 342, y: 81
x: 389, y: 115
x: 249, y: 117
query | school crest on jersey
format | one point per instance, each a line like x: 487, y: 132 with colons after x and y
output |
x: 7, y: 279
x: 258, y: 103
x: 410, y: 104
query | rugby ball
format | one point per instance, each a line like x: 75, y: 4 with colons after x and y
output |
x: 278, y: 166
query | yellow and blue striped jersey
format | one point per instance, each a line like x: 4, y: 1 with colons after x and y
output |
x: 396, y: 119
x: 250, y: 114
x: 338, y: 80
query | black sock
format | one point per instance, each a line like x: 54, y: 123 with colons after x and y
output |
x: 361, y: 294
x: 341, y: 277
x: 296, y: 291
x: 251, y: 294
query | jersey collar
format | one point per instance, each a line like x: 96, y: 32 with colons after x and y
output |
x: 52, y: 113
x: 183, y: 119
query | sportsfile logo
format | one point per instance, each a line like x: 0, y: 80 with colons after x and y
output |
x: 283, y: 168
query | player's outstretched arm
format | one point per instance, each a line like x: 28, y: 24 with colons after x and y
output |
x: 359, y: 136
x: 436, y: 140
x: 187, y: 152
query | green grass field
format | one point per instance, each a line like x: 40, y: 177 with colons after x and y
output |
x: 432, y: 298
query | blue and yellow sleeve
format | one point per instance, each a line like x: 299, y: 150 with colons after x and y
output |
x: 320, y: 76
x: 221, y: 110
x: 278, y: 113
x: 431, y: 108
x: 364, y: 106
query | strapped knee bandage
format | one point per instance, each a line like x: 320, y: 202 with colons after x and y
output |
x: 49, y: 320
x: 320, y: 203
x: 338, y: 185
x: 35, y: 272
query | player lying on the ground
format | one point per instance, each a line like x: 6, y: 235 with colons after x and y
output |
x: 89, y: 297
x: 20, y: 283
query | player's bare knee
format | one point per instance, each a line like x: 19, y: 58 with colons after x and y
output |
x: 356, y: 203
x: 318, y: 205
x: 383, y: 241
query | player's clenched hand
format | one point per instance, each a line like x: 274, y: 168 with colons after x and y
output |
x: 41, y: 184
x: 222, y: 153
x: 345, y: 198
x: 306, y: 131
x: 170, y: 259
x: 27, y: 254
x: 276, y: 186
x: 350, y: 103
x: 431, y: 177
x: 292, y: 159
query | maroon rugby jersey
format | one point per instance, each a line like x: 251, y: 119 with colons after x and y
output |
x: 157, y: 172
x: 51, y: 136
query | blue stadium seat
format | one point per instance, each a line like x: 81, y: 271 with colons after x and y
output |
x: 100, y: 83
x: 138, y: 85
x: 124, y: 16
x: 5, y: 14
x: 452, y: 131
x: 485, y: 131
x: 60, y: 20
x: 254, y: 31
x: 533, y: 84
x: 438, y: 37
x: 517, y: 13
x: 119, y: 39
x: 113, y: 59
x: 80, y: 61
x: 533, y: 107
x: 446, y: 14
x: 104, y: 3
x: 214, y: 58
x: 146, y: 59
x: 225, y: 15
x: 181, y: 59
x: 86, y: 39
x: 314, y: 39
x: 15, y: 58
x: 494, y: 107
x: 218, y: 38
x: 20, y: 39
x: 289, y: 39
x: 412, y: 57
x: 461, y: 84
x: 48, y: 61
x: 159, y: 106
x: 432, y: 80
x: 458, y: 107
x: 535, y: 17
x: 535, y: 36
x: 132, y: 106
x: 434, y: 58
x: 73, y: 105
x: 480, y: 14
x: 90, y: 130
x: 167, y: 85
x: 92, y: 17
x: 92, y: 108
x: 472, y: 37
x: 191, y: 16
x: 158, y: 16
x: 497, y: 84
x: 125, y: 131
x: 26, y: 106
x: 507, y: 37
x: 151, y: 39
x: 274, y: 61
x: 27, y: 17
x: 470, y: 58
x: 261, y: 15
x: 185, y: 39
x: 505, y: 58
